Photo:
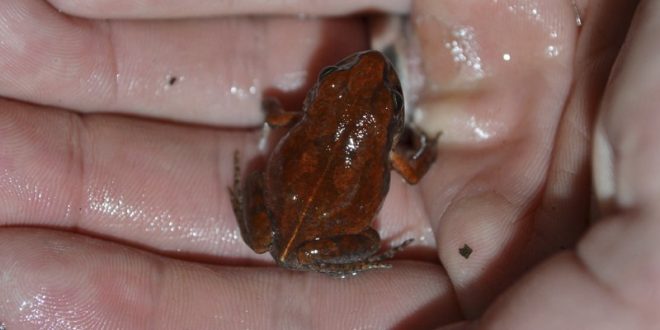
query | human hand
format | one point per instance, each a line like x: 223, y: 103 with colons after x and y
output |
x: 511, y: 181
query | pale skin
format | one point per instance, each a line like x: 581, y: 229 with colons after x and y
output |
x: 512, y: 178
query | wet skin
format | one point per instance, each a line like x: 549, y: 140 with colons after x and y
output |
x: 325, y: 181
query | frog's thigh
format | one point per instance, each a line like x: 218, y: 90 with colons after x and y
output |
x: 340, y: 249
x: 251, y: 213
x: 413, y: 166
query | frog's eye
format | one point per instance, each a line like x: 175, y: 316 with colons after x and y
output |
x: 326, y: 71
x: 349, y: 61
x: 397, y: 98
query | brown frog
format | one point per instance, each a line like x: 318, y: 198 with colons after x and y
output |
x: 313, y: 204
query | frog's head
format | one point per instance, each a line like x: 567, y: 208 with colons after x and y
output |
x: 367, y: 78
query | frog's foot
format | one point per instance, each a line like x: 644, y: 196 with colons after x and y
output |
x: 414, y: 154
x: 352, y: 269
x: 346, y: 270
x: 389, y: 253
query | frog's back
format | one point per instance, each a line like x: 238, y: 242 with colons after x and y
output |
x: 322, y: 185
x: 329, y: 174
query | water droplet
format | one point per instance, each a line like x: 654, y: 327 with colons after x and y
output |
x: 578, y: 18
x: 464, y: 49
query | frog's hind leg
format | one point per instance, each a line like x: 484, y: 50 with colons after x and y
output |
x: 373, y: 262
x: 389, y: 253
x: 249, y: 208
x: 347, y: 255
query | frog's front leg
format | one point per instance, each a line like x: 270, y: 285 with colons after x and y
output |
x: 414, y: 154
x: 276, y: 116
x: 250, y: 209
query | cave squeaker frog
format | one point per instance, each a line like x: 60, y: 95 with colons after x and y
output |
x: 312, y: 205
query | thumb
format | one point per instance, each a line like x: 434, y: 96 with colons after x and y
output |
x: 612, y: 279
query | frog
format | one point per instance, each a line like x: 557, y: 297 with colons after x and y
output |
x: 313, y: 202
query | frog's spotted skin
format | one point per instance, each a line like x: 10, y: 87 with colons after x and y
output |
x: 313, y: 204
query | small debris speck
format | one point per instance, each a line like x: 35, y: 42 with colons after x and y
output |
x: 172, y: 80
x: 3, y: 326
x: 465, y: 251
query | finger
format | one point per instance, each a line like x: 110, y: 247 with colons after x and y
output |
x: 623, y: 250
x: 206, y: 71
x: 624, y: 168
x: 135, y: 181
x: 157, y: 185
x: 171, y: 9
x: 611, y: 282
x: 60, y: 280
x: 498, y: 103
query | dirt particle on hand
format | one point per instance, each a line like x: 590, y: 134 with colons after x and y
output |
x: 465, y: 251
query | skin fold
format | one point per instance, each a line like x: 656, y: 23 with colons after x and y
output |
x: 117, y: 141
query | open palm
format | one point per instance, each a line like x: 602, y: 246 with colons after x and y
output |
x: 117, y: 136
